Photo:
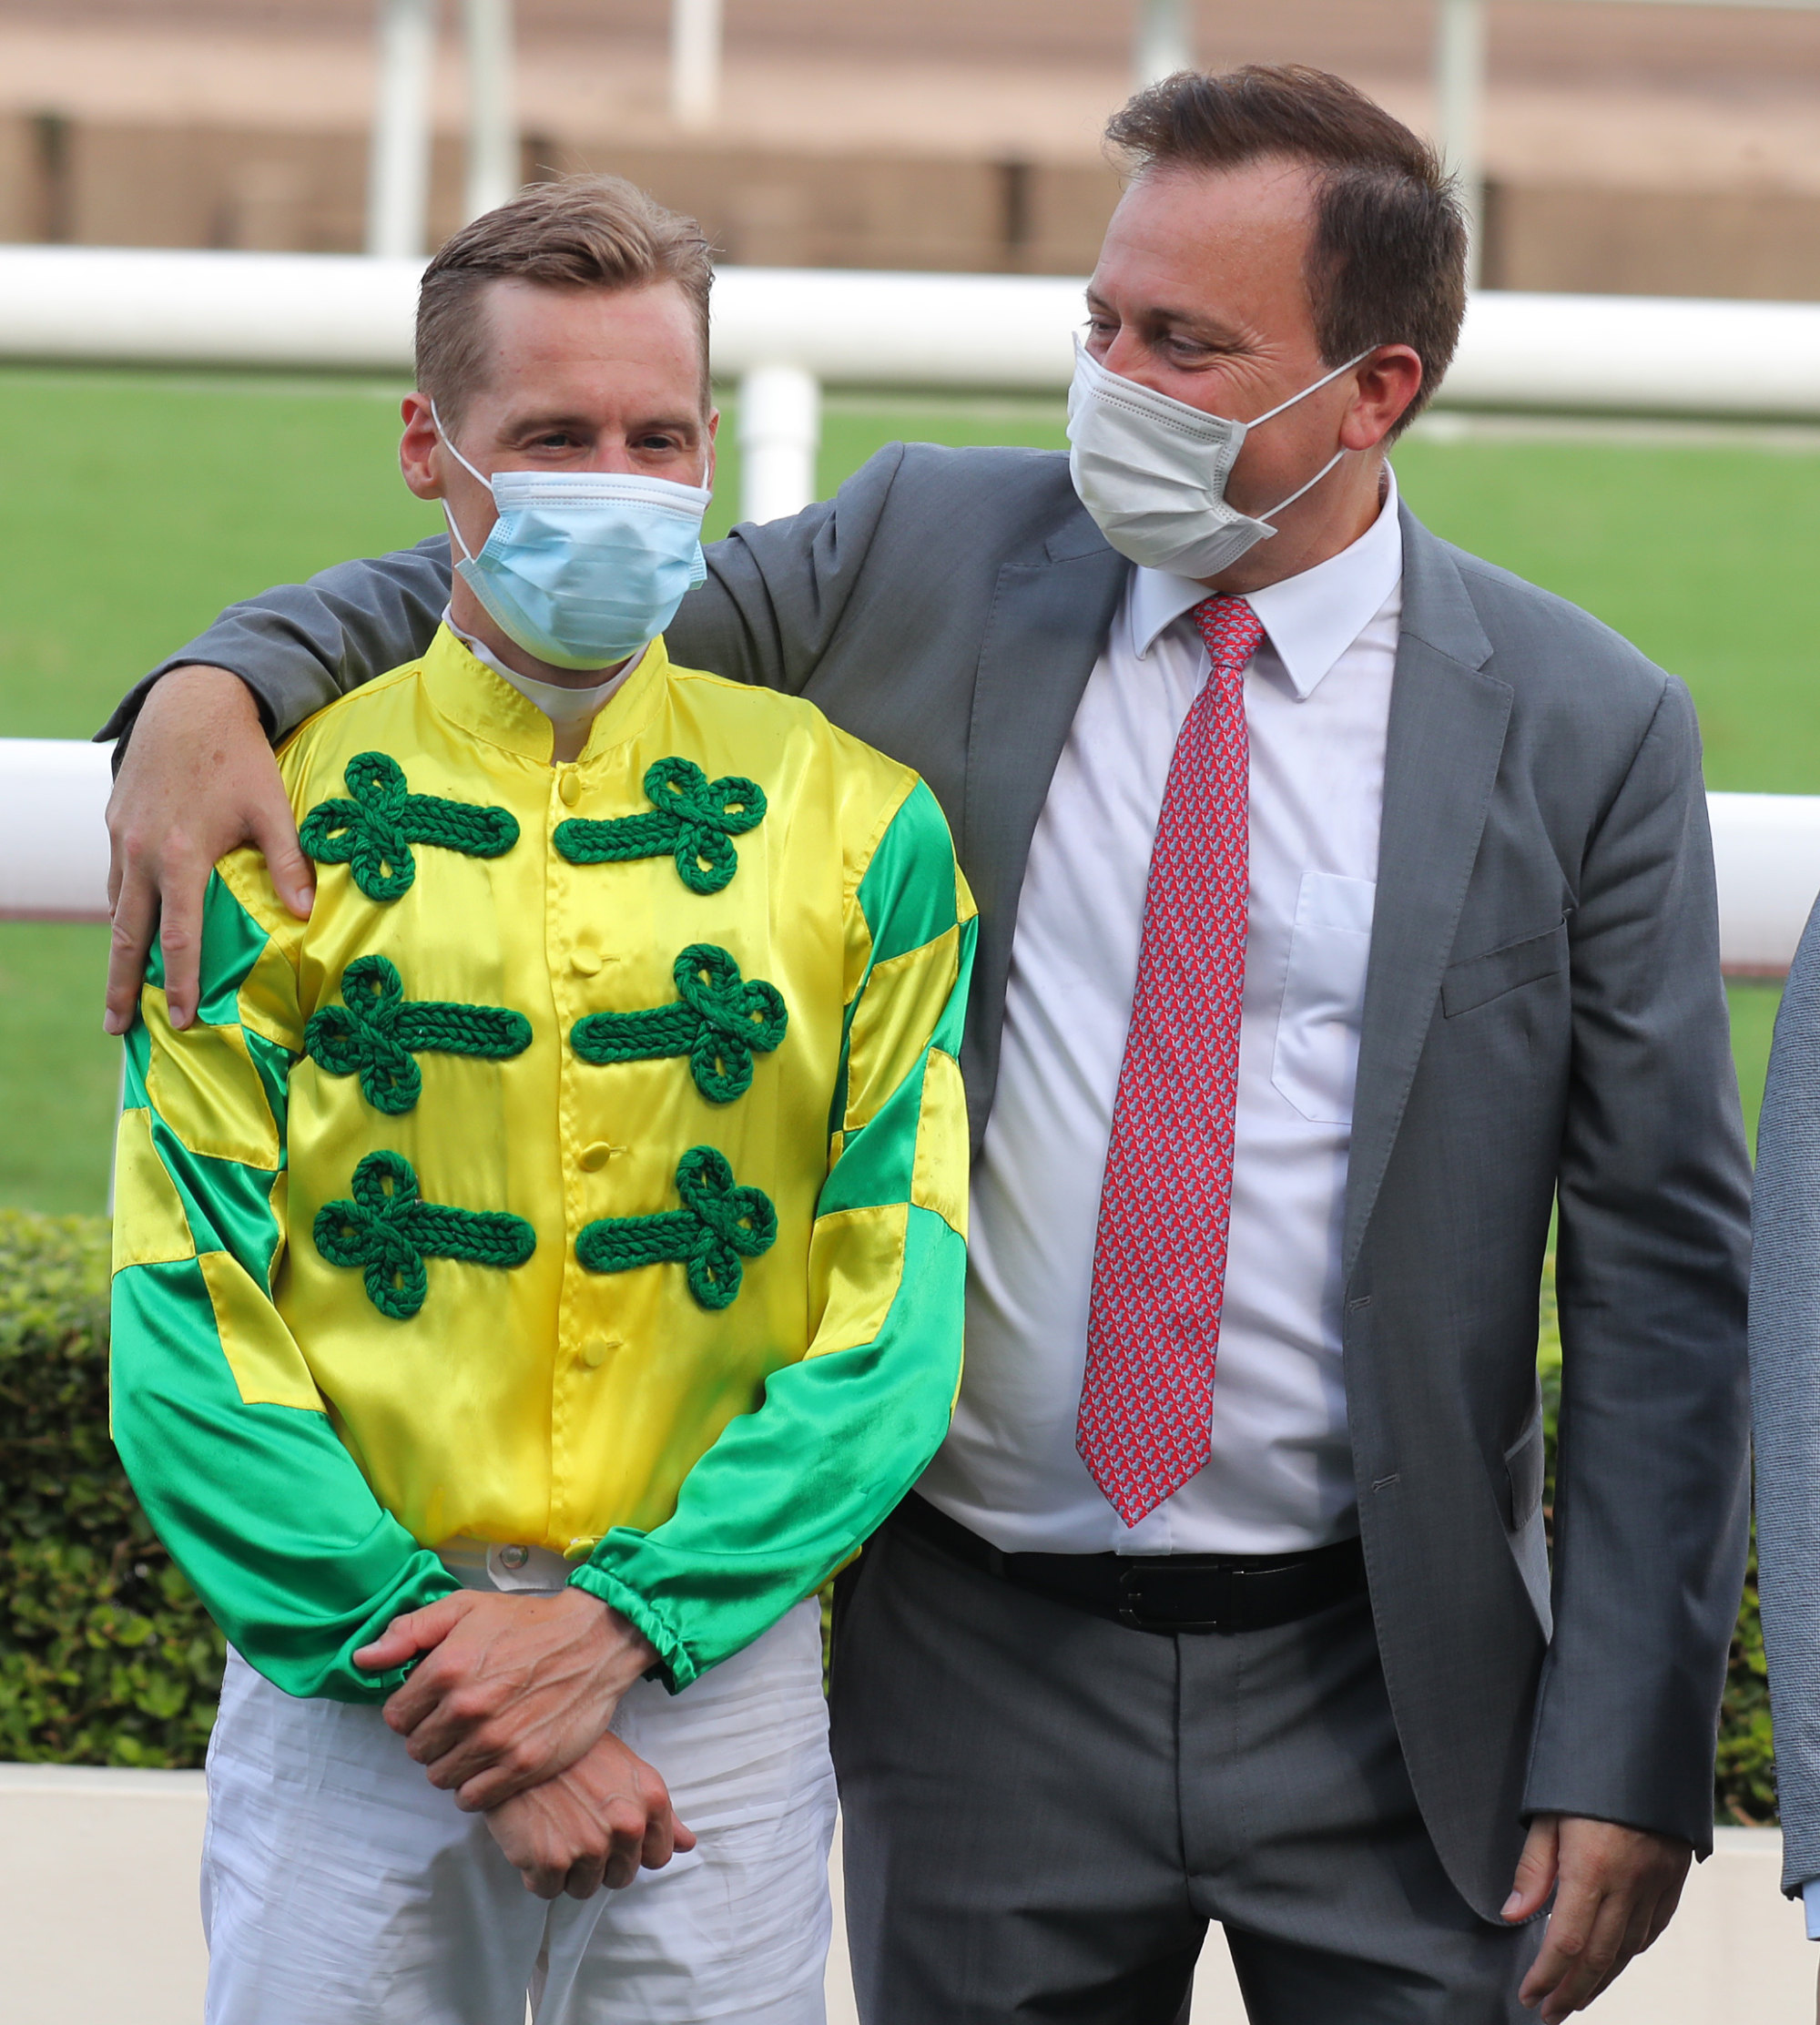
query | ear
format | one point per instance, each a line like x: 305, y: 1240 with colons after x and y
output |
x: 713, y: 447
x: 420, y: 449
x: 1383, y: 387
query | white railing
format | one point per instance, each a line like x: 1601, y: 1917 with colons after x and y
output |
x: 1544, y: 354
x: 53, y: 852
x: 781, y: 333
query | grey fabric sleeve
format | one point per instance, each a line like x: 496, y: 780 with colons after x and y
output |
x: 1652, y: 1505
x: 773, y: 596
x: 303, y: 644
x: 777, y: 593
x: 1785, y: 1402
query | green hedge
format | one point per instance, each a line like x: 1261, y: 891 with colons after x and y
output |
x: 108, y: 1658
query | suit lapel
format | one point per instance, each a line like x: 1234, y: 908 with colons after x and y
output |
x: 1045, y: 630
x: 1446, y: 736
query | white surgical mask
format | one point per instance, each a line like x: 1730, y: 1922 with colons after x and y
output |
x: 1152, y: 472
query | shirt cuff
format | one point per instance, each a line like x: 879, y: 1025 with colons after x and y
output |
x: 1810, y: 1899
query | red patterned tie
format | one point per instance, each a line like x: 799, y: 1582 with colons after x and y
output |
x: 1160, y: 1261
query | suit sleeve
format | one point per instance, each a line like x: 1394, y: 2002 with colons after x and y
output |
x: 790, y: 1492
x: 301, y: 645
x: 776, y: 593
x: 226, y: 1442
x: 1785, y: 1403
x: 1651, y: 1264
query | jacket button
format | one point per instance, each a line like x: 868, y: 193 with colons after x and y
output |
x: 569, y: 787
x: 594, y: 1158
x: 597, y: 1349
x: 584, y: 962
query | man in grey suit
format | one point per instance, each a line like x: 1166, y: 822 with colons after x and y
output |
x: 1348, y: 903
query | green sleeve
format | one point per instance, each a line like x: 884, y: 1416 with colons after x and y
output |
x: 260, y: 1503
x: 790, y: 1491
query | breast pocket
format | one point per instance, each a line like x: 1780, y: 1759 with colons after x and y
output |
x: 1316, y: 1058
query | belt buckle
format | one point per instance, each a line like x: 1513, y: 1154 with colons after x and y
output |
x: 1132, y: 1613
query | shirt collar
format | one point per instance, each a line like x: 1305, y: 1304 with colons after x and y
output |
x: 1311, y: 619
x: 564, y: 706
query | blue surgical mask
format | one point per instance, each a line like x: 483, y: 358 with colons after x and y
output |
x: 582, y: 568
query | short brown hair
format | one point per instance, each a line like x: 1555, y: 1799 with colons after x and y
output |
x: 578, y: 232
x: 1387, y: 260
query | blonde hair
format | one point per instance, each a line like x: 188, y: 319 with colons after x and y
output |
x: 578, y: 232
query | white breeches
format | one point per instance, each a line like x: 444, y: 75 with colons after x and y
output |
x: 340, y: 1887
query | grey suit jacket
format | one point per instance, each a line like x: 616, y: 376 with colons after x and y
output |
x: 1785, y: 1402
x: 1544, y: 1024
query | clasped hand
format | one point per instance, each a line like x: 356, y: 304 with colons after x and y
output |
x: 509, y: 1711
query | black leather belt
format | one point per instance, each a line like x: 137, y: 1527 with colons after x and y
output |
x: 1159, y: 1593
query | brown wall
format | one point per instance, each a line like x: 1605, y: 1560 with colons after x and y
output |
x: 100, y: 184
x: 96, y: 183
x: 1654, y: 242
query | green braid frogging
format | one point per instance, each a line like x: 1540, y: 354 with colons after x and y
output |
x: 719, y: 1022
x: 692, y: 818
x: 377, y: 1032
x: 388, y: 1230
x: 372, y: 833
x: 719, y: 1225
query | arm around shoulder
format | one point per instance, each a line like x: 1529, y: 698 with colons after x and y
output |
x: 301, y: 645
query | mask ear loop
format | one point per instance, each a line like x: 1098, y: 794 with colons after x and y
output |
x: 1283, y: 505
x: 1325, y: 380
x: 449, y: 445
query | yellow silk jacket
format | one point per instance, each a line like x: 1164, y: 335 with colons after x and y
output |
x: 589, y: 1171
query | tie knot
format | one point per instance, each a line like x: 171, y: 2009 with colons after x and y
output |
x: 1230, y: 628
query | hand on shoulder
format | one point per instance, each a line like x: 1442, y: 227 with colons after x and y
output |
x: 197, y: 779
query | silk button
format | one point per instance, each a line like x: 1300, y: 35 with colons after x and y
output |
x: 569, y: 787
x: 597, y: 1349
x: 594, y: 1158
x: 583, y: 960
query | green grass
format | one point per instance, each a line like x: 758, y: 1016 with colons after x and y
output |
x: 137, y: 504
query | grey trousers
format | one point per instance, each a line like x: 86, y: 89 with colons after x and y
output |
x: 1044, y: 1810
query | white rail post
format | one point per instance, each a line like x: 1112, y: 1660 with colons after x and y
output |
x: 398, y: 176
x: 695, y: 62
x: 494, y: 172
x: 780, y: 433
x: 1164, y: 42
x: 1460, y: 112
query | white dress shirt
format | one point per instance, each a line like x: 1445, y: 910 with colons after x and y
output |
x: 1317, y: 700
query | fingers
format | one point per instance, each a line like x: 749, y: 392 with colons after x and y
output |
x: 272, y: 827
x: 585, y: 1876
x: 197, y: 779
x: 135, y: 913
x: 659, y: 1839
x: 1617, y: 1889
x: 1589, y: 1954
x: 543, y: 1882
x: 626, y: 1826
x: 1537, y: 1869
x: 418, y: 1631
x: 495, y: 1763
x: 180, y: 937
